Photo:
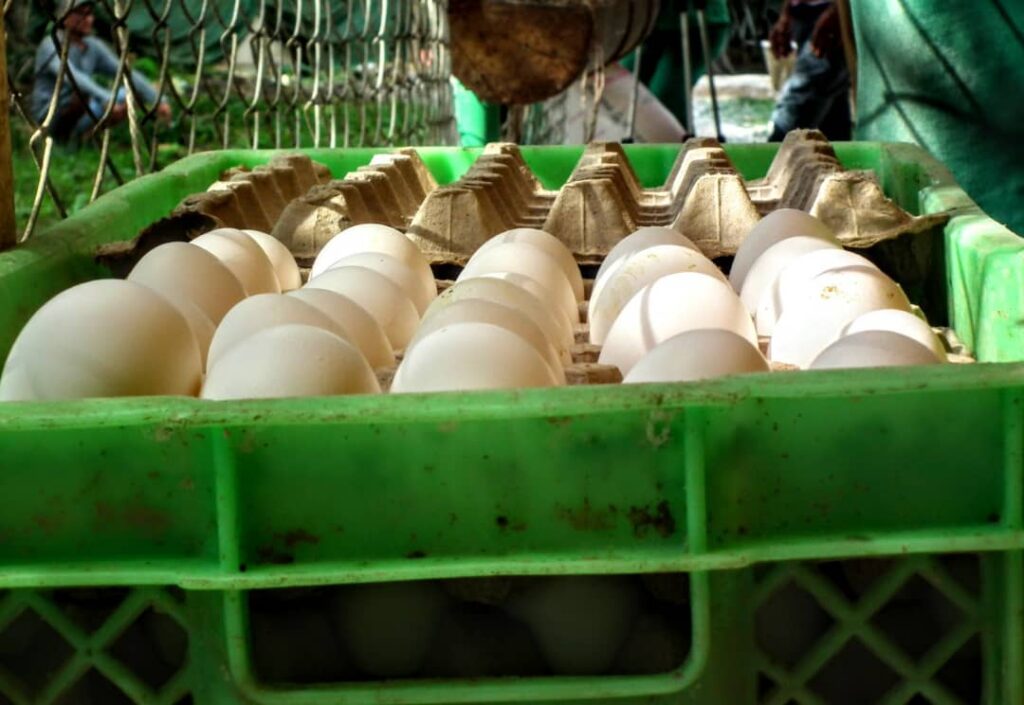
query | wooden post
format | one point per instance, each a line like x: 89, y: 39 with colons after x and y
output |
x: 8, y: 229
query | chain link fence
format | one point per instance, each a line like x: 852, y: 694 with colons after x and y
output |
x: 190, y: 75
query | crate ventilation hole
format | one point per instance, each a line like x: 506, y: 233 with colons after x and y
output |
x: 870, y: 631
x: 109, y: 646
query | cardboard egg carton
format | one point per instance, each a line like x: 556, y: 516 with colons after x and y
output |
x: 255, y: 198
x: 242, y: 198
x: 704, y: 197
x: 389, y: 190
x: 806, y: 175
x: 300, y: 203
x: 497, y: 193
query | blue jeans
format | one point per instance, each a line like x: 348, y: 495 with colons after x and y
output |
x: 816, y: 95
x: 94, y: 113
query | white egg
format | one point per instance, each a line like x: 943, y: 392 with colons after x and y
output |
x: 290, y: 361
x: 105, y: 338
x: 469, y: 356
x: 243, y: 257
x: 671, y: 305
x: 698, y: 354
x: 792, y: 278
x: 479, y: 643
x: 635, y: 272
x: 170, y: 288
x: 202, y: 327
x: 360, y: 328
x: 874, y: 348
x: 507, y: 293
x: 382, y: 298
x: 522, y: 258
x: 641, y: 239
x: 550, y: 244
x: 281, y: 258
x: 179, y: 271
x: 370, y: 237
x: 388, y: 627
x: 896, y: 321
x: 260, y: 312
x: 289, y: 642
x: 774, y: 227
x: 401, y: 274
x: 565, y: 322
x: 580, y: 622
x: 483, y: 311
x: 772, y: 261
x: 817, y: 314
x: 654, y: 645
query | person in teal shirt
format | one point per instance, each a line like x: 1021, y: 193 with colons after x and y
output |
x: 948, y: 77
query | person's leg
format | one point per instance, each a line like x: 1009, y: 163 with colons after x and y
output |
x: 64, y: 124
x: 837, y: 123
x: 90, y: 118
x: 808, y: 96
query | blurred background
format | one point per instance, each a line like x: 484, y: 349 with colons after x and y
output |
x: 194, y: 75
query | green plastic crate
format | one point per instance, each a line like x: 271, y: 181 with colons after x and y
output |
x: 762, y: 489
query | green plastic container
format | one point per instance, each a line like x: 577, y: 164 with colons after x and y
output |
x: 839, y: 500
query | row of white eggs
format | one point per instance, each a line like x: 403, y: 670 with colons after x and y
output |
x: 215, y: 305
x: 660, y: 310
x: 822, y: 306
x: 148, y: 334
x: 508, y: 321
x: 363, y: 301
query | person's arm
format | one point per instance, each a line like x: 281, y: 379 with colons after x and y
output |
x: 87, y: 87
x: 781, y: 33
x: 108, y: 63
x: 826, y: 37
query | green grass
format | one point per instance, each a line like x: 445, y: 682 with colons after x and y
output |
x: 73, y: 168
x: 72, y: 172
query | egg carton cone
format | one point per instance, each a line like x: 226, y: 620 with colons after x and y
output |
x: 497, y: 193
x: 800, y: 151
x: 242, y: 198
x: 389, y: 190
x: 806, y: 175
x: 255, y: 198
